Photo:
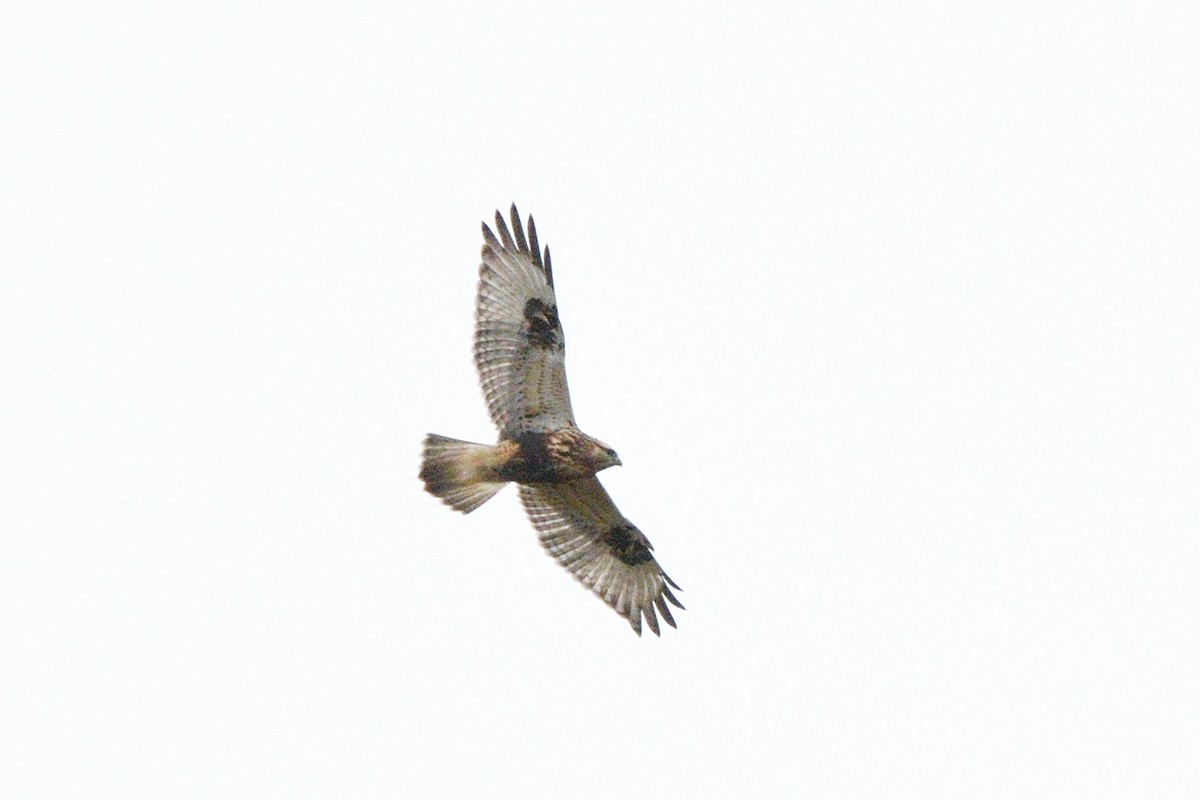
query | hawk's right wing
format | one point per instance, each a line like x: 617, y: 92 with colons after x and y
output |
x: 519, y: 348
x: 580, y: 527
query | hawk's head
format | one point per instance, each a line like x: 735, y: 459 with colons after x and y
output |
x: 601, y: 455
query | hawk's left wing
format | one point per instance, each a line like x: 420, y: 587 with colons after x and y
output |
x: 519, y: 347
x: 580, y: 527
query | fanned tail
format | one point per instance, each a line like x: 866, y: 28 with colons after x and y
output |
x: 460, y: 473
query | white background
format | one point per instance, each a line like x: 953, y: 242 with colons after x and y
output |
x: 890, y: 311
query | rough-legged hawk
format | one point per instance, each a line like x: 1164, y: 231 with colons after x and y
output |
x: 519, y: 352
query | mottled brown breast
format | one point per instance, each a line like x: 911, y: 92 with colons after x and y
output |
x: 555, y: 457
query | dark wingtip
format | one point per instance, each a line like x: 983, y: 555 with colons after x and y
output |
x: 534, y: 252
x: 518, y: 231
x: 502, y: 231
x: 651, y: 617
x: 667, y: 594
x: 520, y: 241
x: 665, y: 610
x: 490, y: 242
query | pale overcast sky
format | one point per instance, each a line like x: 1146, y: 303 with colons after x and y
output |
x: 891, y: 312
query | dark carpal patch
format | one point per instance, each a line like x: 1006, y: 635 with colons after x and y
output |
x: 542, y: 325
x: 628, y: 544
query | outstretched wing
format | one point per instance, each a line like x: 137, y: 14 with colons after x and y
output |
x: 580, y: 527
x: 519, y: 349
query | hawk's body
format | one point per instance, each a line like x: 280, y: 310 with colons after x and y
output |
x: 519, y: 352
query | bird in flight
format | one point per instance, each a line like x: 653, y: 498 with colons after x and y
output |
x: 519, y: 353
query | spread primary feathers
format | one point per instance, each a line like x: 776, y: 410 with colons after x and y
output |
x: 519, y: 353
